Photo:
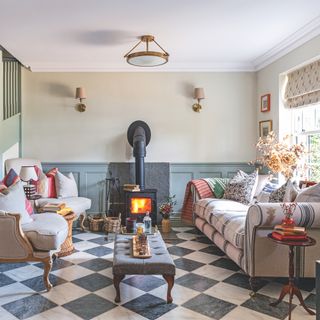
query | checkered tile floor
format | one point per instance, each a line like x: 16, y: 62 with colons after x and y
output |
x: 208, y: 286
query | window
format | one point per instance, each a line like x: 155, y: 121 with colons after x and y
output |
x: 306, y: 129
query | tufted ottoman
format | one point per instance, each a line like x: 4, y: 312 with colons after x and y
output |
x: 124, y: 263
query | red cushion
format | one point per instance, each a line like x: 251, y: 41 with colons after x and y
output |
x: 52, y: 193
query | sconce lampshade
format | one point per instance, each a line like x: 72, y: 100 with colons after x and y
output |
x: 28, y: 173
x: 81, y: 93
x: 199, y: 93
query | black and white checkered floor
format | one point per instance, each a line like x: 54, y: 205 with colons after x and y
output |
x: 208, y: 286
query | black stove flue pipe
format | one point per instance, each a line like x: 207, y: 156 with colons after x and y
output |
x: 139, y: 135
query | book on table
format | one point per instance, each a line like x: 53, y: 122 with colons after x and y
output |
x: 53, y: 207
x: 300, y: 237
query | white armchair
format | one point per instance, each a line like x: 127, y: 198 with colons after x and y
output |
x: 34, y: 241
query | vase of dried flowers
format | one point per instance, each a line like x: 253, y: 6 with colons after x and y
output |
x: 165, y: 210
x: 288, y: 210
x: 280, y: 156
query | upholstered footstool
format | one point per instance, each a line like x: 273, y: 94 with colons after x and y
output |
x: 124, y: 263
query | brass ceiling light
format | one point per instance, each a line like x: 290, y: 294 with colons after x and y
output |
x: 147, y: 58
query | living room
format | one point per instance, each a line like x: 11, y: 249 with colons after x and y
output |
x: 78, y: 98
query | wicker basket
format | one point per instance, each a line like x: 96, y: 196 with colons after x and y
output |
x: 112, y: 224
x: 96, y: 223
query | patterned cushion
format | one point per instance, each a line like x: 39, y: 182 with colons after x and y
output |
x: 242, y: 187
x: 286, y: 193
x: 45, y: 184
x: 227, y: 217
x: 11, y: 179
x: 264, y: 195
x: 218, y: 186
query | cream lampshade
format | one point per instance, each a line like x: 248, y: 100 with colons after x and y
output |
x: 199, y: 95
x: 28, y: 173
x: 81, y: 94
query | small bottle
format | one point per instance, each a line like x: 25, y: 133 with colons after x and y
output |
x: 147, y: 223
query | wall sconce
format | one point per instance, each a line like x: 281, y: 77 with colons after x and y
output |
x: 199, y: 95
x: 81, y: 94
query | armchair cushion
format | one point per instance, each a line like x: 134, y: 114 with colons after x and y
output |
x: 47, y: 232
x: 15, y: 202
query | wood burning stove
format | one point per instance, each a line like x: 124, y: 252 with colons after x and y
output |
x: 138, y: 203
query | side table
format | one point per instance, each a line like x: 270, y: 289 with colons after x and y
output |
x: 291, y: 288
x: 67, y: 247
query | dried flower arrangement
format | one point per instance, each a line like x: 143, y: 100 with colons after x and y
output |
x: 280, y: 156
x: 167, y: 207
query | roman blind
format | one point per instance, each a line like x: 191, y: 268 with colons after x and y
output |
x: 11, y: 86
x: 303, y: 86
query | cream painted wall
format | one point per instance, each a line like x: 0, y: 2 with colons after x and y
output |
x: 271, y: 78
x: 54, y: 131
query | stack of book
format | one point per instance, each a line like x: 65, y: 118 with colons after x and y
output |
x: 131, y: 187
x: 59, y: 208
x: 293, y: 233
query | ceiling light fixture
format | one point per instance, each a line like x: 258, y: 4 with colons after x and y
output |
x: 147, y: 58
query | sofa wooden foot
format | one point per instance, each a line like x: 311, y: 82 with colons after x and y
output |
x: 253, y: 286
x: 47, y: 268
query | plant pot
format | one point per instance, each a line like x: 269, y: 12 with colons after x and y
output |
x: 166, y: 225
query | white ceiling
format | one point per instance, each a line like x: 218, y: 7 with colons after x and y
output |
x: 203, y: 35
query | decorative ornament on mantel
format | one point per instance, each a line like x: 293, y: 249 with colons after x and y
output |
x: 81, y: 94
x: 147, y: 58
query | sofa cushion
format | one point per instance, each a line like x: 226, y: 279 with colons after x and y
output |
x: 226, y: 216
x: 77, y: 204
x: 310, y: 194
x: 47, y: 232
x: 66, y: 186
x: 242, y: 187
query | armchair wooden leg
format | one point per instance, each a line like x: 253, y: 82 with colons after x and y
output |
x: 81, y: 221
x: 47, y: 268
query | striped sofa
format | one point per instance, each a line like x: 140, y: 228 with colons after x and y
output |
x: 241, y: 232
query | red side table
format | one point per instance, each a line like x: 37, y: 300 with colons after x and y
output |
x: 291, y: 288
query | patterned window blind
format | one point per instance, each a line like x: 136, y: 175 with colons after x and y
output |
x: 303, y: 86
x: 11, y: 86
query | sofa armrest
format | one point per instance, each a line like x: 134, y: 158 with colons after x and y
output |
x: 200, y: 190
x: 261, y: 219
x: 267, y: 215
x: 14, y: 245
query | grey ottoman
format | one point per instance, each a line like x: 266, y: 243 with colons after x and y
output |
x: 124, y: 263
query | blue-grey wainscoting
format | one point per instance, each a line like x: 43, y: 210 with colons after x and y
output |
x: 90, y: 177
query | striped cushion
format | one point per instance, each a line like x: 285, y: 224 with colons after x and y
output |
x: 226, y: 216
x: 45, y: 184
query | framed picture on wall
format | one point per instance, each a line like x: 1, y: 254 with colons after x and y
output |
x: 265, y: 102
x: 264, y: 128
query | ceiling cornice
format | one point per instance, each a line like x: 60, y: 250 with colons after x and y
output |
x: 301, y: 36
x: 219, y: 67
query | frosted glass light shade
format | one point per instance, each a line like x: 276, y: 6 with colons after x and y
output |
x: 81, y: 93
x: 199, y: 93
x: 28, y: 173
x: 147, y: 59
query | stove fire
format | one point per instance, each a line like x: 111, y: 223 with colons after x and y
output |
x: 140, y: 205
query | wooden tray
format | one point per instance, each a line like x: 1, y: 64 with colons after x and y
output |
x: 154, y: 231
x: 135, y: 252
